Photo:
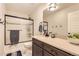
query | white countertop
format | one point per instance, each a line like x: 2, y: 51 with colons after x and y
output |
x: 62, y: 44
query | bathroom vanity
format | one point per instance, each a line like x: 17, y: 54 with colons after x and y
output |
x: 46, y: 46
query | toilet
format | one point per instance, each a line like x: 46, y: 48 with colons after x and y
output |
x: 27, y: 48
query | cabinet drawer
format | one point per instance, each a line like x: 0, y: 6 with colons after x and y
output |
x: 36, y: 51
x: 37, y: 42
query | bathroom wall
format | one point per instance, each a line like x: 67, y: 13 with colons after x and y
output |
x: 15, y: 13
x: 37, y: 16
x: 58, y: 21
x: 2, y: 12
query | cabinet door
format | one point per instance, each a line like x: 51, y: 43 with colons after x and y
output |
x: 50, y: 49
x: 62, y: 53
x: 36, y: 50
x: 37, y: 42
x: 46, y: 53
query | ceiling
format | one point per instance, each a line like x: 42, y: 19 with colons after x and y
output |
x: 60, y: 6
x: 27, y: 8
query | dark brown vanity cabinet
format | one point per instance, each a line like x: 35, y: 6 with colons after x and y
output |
x: 43, y: 49
x: 37, y: 51
x: 37, y: 48
x: 45, y: 53
x: 55, y: 51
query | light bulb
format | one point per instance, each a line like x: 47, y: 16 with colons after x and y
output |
x: 52, y: 6
x: 52, y: 9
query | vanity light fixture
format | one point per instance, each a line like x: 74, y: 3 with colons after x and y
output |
x: 52, y: 6
x: 51, y: 9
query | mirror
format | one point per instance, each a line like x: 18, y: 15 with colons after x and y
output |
x: 63, y: 20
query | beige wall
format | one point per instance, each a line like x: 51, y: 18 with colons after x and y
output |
x: 2, y: 12
x: 14, y: 13
x: 1, y: 39
x: 60, y: 18
x: 38, y: 17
